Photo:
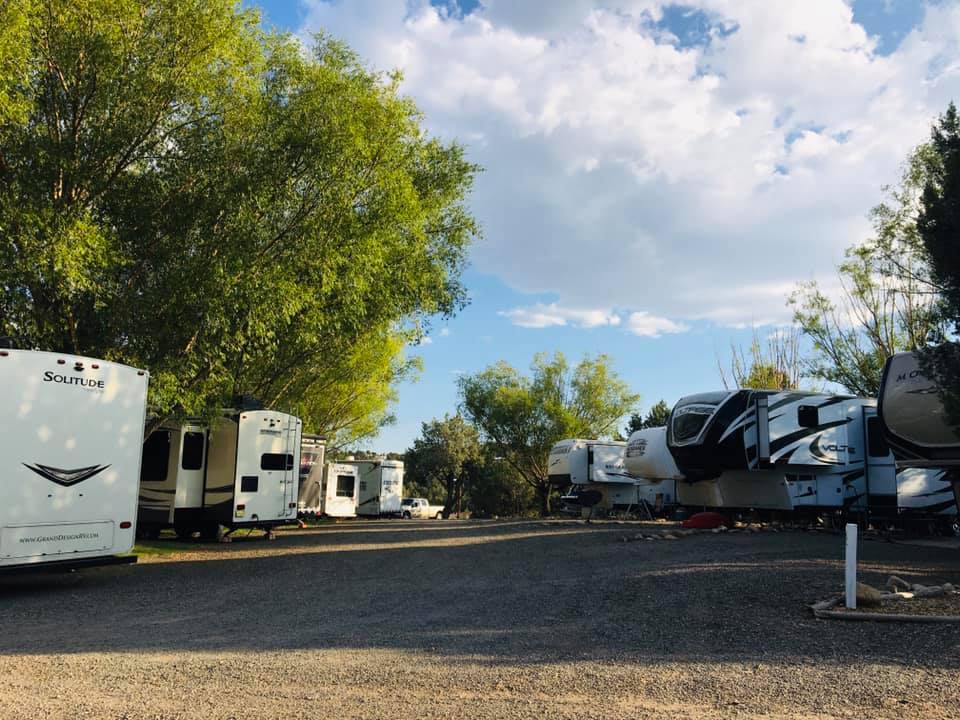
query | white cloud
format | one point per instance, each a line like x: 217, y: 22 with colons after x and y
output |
x: 646, y: 325
x: 552, y: 315
x: 426, y: 340
x: 444, y: 332
x: 639, y: 323
x: 624, y: 170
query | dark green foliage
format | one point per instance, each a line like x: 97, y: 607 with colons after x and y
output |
x: 939, y: 227
x: 657, y: 416
x: 183, y: 192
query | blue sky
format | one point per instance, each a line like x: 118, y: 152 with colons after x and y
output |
x: 658, y: 176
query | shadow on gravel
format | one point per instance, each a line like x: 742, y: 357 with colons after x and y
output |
x: 522, y: 592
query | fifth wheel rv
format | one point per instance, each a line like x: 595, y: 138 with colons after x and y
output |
x: 72, y: 428
x: 240, y: 473
x: 772, y: 450
x: 597, y: 466
x: 914, y: 420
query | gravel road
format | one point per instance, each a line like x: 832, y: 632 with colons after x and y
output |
x: 475, y: 619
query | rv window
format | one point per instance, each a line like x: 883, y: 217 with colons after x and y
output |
x: 345, y: 485
x: 192, y: 451
x: 876, y: 442
x: 249, y: 483
x: 363, y: 486
x: 156, y: 457
x: 689, y: 421
x: 276, y: 461
x: 808, y: 416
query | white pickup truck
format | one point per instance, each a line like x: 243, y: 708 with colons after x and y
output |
x: 419, y: 508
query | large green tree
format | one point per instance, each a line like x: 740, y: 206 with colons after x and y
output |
x: 938, y: 226
x: 522, y: 416
x: 442, y: 458
x: 187, y: 193
x: 885, y: 300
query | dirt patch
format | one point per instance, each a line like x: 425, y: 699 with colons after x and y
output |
x: 475, y: 619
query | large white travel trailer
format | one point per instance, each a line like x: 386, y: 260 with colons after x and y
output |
x: 789, y: 451
x: 312, y: 453
x: 338, y: 490
x: 380, y: 487
x: 240, y: 473
x: 72, y: 429
x: 598, y: 466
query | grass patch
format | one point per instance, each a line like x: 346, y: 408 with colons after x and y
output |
x: 146, y: 548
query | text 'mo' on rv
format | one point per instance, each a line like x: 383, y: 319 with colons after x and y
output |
x: 793, y: 451
x: 243, y: 472
x: 380, y: 487
x: 595, y: 473
x: 73, y: 431
x: 915, y: 421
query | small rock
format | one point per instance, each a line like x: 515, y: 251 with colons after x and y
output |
x: 715, y: 530
x: 922, y: 592
x: 868, y: 596
x: 669, y: 536
x: 895, y: 584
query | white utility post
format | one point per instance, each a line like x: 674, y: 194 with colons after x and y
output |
x: 851, y: 566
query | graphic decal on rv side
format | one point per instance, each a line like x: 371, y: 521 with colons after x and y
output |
x: 66, y: 477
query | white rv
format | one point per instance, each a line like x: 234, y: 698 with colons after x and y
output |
x: 380, y: 487
x: 598, y: 466
x: 240, y: 473
x: 338, y: 490
x: 312, y: 452
x: 789, y: 451
x: 72, y: 429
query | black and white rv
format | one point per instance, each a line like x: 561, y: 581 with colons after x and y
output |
x: 775, y: 450
x: 915, y: 421
x: 242, y: 472
x: 594, y: 470
x: 72, y: 428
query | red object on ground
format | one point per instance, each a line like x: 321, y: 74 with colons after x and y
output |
x: 705, y: 521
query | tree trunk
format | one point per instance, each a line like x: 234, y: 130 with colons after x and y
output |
x: 544, y: 490
x: 448, y: 505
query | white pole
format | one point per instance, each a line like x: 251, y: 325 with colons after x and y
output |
x: 851, y: 566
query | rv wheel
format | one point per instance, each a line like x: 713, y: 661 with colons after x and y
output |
x: 406, y: 516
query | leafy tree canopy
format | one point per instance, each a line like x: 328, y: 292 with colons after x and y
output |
x: 441, y: 457
x: 185, y: 192
x: 938, y: 226
x: 522, y: 417
x: 657, y: 416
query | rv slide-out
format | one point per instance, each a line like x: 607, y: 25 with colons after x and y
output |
x: 72, y: 429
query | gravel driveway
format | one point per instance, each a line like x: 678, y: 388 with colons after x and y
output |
x: 475, y: 619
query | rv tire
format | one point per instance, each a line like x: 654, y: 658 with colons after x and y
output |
x: 406, y: 516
